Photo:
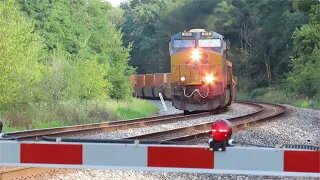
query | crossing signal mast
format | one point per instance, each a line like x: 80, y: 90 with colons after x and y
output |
x: 217, y: 158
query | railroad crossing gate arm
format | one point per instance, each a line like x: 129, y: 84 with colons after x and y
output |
x: 177, y: 158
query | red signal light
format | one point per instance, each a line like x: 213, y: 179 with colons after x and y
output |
x: 221, y: 130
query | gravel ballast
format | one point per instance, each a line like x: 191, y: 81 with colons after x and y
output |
x: 297, y: 126
x: 170, y: 108
x: 234, y: 110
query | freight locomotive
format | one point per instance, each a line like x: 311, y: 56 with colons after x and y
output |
x: 201, y: 76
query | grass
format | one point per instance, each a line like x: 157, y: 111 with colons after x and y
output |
x: 274, y: 95
x: 44, y: 115
x: 136, y: 109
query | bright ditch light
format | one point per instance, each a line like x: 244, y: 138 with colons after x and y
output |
x: 183, y: 78
x: 209, y: 79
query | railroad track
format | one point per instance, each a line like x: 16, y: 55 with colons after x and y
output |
x: 103, y: 127
x: 180, y: 134
x: 203, y: 131
x: 31, y: 173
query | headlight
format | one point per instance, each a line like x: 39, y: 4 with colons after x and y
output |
x: 196, y: 55
x: 209, y: 79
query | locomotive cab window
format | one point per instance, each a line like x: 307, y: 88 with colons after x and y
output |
x: 184, y: 43
x: 209, y: 43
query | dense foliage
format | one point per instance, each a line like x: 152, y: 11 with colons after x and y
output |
x: 20, y: 49
x: 61, y: 50
x: 265, y: 36
x: 84, y: 46
x: 63, y: 62
x: 305, y: 76
x: 56, y: 51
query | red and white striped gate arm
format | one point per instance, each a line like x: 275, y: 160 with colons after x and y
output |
x: 235, y: 160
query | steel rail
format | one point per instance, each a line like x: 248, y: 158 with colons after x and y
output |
x: 113, y: 125
x: 203, y: 130
x: 44, y: 131
x: 105, y: 126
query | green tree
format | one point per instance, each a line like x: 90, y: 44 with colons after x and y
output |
x: 304, y: 5
x: 139, y: 29
x: 20, y: 49
x: 304, y: 78
x: 82, y: 43
x: 260, y: 33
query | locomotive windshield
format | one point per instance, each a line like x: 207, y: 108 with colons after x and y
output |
x: 184, y: 43
x: 205, y: 43
x: 209, y: 43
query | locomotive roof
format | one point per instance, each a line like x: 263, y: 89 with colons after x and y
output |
x: 196, y: 35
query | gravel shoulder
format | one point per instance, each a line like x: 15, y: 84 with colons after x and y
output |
x: 297, y: 126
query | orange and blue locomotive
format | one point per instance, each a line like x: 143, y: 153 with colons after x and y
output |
x: 201, y: 72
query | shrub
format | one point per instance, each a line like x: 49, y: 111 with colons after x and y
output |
x: 44, y: 115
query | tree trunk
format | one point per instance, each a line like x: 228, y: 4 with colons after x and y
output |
x: 267, y: 64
